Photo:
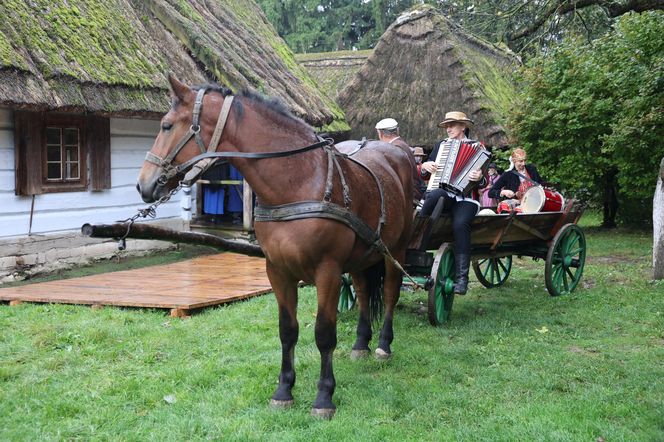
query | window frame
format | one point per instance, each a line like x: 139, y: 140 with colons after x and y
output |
x: 65, y: 122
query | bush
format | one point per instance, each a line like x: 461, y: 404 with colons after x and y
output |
x: 591, y: 115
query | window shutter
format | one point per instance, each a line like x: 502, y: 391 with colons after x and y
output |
x: 98, y: 141
x: 29, y: 133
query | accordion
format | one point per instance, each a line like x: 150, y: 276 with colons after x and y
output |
x: 454, y: 162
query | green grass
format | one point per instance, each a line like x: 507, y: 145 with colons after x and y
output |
x: 513, y: 364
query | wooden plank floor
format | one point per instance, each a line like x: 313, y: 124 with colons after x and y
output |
x: 181, y: 287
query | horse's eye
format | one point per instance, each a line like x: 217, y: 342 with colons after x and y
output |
x: 166, y: 126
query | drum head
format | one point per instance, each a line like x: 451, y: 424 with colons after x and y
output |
x: 533, y: 200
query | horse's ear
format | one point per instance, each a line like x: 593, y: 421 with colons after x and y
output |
x: 179, y: 89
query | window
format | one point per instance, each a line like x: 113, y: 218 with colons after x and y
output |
x: 57, y: 152
x: 64, y: 155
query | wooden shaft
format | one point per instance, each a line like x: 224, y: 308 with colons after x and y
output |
x: 147, y: 231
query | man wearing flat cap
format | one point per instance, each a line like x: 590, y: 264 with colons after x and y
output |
x: 462, y: 208
x: 388, y: 132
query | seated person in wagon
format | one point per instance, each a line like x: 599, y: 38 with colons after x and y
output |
x: 462, y: 208
x: 388, y: 132
x: 514, y: 183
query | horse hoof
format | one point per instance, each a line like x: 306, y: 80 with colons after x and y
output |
x: 274, y: 403
x: 358, y: 354
x: 323, y: 413
x: 382, y: 354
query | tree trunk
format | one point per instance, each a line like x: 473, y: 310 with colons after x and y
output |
x: 610, y: 198
x: 658, y: 226
x: 147, y: 231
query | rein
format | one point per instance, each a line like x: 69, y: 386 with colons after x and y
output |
x: 253, y: 155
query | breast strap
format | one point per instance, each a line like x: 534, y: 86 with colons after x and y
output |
x: 321, y: 209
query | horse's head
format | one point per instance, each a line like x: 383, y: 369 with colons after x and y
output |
x: 185, y: 130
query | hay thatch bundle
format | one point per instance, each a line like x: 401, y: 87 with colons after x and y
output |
x: 422, y: 67
x: 111, y: 56
x: 333, y: 70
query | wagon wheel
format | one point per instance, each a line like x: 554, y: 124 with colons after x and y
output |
x: 565, y: 260
x: 492, y: 272
x: 347, y: 294
x: 441, y: 294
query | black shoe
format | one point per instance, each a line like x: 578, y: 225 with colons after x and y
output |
x: 461, y: 286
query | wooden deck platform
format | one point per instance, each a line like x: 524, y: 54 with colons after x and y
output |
x: 180, y: 287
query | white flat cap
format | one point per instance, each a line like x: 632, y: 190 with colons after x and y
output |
x: 387, y: 124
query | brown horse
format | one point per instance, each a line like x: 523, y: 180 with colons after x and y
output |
x: 312, y: 241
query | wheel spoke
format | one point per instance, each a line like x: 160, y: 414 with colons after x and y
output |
x: 504, y: 267
x: 446, y: 265
x: 440, y: 306
x: 575, y: 251
x: 571, y: 275
x: 565, y: 283
x: 556, y: 277
x: 496, y: 271
x: 572, y: 239
x: 486, y: 270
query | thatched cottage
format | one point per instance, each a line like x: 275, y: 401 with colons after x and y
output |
x: 423, y: 66
x: 82, y: 88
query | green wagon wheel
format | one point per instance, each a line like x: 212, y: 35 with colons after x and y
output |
x: 347, y: 294
x: 565, y: 260
x: 492, y: 272
x: 441, y: 294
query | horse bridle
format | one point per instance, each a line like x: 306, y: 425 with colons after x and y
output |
x: 209, y: 153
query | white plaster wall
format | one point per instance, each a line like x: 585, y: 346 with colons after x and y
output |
x: 56, y: 212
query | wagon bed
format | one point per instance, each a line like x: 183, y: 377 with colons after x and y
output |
x: 495, y: 238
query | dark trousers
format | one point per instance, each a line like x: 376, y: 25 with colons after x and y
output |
x: 462, y: 213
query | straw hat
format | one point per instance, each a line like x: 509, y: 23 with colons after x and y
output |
x: 455, y: 117
x: 419, y: 152
x: 387, y: 124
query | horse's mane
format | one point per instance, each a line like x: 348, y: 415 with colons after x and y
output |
x: 273, y: 106
x: 277, y: 108
x: 223, y: 90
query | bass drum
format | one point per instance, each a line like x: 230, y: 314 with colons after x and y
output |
x: 540, y: 199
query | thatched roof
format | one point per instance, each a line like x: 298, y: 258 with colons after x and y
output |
x: 424, y: 66
x: 112, y: 56
x: 333, y: 70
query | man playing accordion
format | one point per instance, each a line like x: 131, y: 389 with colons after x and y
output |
x: 460, y: 206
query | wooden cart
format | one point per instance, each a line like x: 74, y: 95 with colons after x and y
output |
x: 552, y: 236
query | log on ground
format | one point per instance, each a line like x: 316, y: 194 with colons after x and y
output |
x: 146, y: 231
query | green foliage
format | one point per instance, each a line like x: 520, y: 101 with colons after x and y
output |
x: 514, y: 364
x: 590, y: 110
x: 329, y: 25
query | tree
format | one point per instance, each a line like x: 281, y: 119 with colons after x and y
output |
x: 592, y: 115
x: 524, y: 26
x: 328, y: 25
x: 658, y: 226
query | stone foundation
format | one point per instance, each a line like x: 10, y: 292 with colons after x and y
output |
x: 25, y: 256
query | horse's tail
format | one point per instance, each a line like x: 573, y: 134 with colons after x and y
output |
x: 374, y: 276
